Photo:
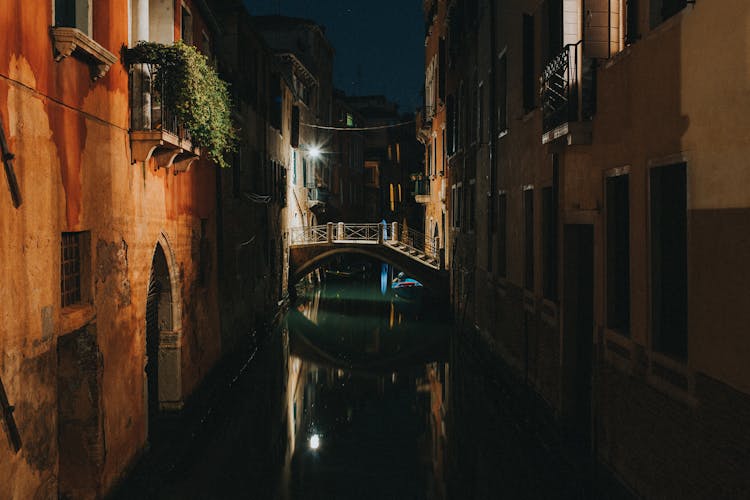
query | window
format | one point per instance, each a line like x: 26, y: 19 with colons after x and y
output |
x: 502, y: 93
x: 276, y: 102
x: 502, y: 225
x: 471, y: 204
x: 631, y: 28
x: 549, y: 242
x: 668, y: 203
x: 433, y: 165
x: 294, y: 140
x: 186, y: 26
x: 206, y: 45
x: 528, y: 216
x: 237, y: 173
x: 441, y: 69
x: 451, y: 124
x: 398, y: 152
x: 480, y: 113
x: 555, y: 28
x: 456, y: 205
x: 74, y: 259
x: 617, y: 206
x: 428, y: 166
x: 73, y: 14
x: 661, y: 10
x: 528, y: 63
x: 444, y: 155
x: 393, y: 201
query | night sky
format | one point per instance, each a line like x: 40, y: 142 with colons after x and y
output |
x: 379, y: 44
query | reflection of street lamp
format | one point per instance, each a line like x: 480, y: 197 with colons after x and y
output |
x: 314, y: 442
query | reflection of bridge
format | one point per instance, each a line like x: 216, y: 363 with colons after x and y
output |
x: 339, y: 343
x: 410, y: 251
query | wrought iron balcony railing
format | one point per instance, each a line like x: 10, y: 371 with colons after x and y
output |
x: 422, y: 186
x: 567, y: 88
x: 318, y: 194
x: 148, y: 108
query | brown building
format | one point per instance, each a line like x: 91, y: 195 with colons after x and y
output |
x: 347, y: 162
x: 305, y: 58
x: 608, y: 249
x: 431, y: 184
x: 253, y: 191
x: 109, y: 263
x: 391, y: 156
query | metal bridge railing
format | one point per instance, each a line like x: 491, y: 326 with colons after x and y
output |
x: 418, y: 245
x: 420, y: 241
x: 309, y: 234
x: 357, y: 232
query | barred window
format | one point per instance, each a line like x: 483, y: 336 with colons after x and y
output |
x: 70, y: 269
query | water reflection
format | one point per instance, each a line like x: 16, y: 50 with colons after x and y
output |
x: 366, y: 401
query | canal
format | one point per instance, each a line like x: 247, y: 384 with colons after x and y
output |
x: 360, y: 391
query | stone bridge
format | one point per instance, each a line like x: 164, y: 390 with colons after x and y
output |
x: 407, y: 250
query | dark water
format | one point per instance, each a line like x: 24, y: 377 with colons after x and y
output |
x: 358, y: 394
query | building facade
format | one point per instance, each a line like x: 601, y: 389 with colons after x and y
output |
x: 108, y: 246
x: 600, y: 233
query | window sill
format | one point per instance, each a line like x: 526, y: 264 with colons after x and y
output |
x: 68, y: 41
x: 76, y: 316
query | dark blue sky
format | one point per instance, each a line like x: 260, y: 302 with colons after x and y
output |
x: 381, y: 40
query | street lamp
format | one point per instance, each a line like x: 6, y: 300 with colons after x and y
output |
x: 314, y: 152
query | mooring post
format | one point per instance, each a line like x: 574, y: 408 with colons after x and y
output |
x: 329, y: 232
x: 394, y: 231
x: 381, y: 230
x: 340, y: 231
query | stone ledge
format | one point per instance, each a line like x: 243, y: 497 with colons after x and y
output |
x: 75, y: 317
x: 68, y: 41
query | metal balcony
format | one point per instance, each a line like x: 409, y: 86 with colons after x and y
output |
x: 318, y: 195
x: 568, y: 96
x: 155, y: 131
x: 422, y: 189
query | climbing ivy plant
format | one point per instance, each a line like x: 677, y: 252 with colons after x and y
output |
x: 197, y: 96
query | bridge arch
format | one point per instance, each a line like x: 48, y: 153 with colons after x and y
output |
x: 306, y: 258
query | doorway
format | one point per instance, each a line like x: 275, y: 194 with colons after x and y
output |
x: 158, y: 323
x: 578, y: 330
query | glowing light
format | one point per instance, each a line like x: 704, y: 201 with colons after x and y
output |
x: 314, y: 152
x: 314, y: 442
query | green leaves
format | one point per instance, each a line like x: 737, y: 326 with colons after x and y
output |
x: 194, y: 92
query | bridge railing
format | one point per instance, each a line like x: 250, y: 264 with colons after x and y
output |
x: 309, y: 234
x: 377, y: 233
x: 358, y: 232
x: 419, y: 241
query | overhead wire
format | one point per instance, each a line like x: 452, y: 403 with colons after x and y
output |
x: 357, y: 129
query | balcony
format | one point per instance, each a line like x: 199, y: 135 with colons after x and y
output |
x: 155, y: 131
x: 317, y: 195
x: 421, y: 188
x: 568, y: 97
x: 424, y: 123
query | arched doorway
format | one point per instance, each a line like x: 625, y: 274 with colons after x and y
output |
x: 158, y: 319
x: 163, y: 367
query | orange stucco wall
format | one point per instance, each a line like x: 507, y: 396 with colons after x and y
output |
x: 70, y: 138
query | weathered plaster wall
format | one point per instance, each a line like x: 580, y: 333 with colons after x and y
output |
x: 70, y: 138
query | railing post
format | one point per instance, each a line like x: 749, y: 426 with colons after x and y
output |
x: 381, y: 230
x: 394, y: 231
x: 340, y: 232
x: 329, y: 232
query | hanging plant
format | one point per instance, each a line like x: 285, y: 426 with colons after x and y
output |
x: 194, y: 93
